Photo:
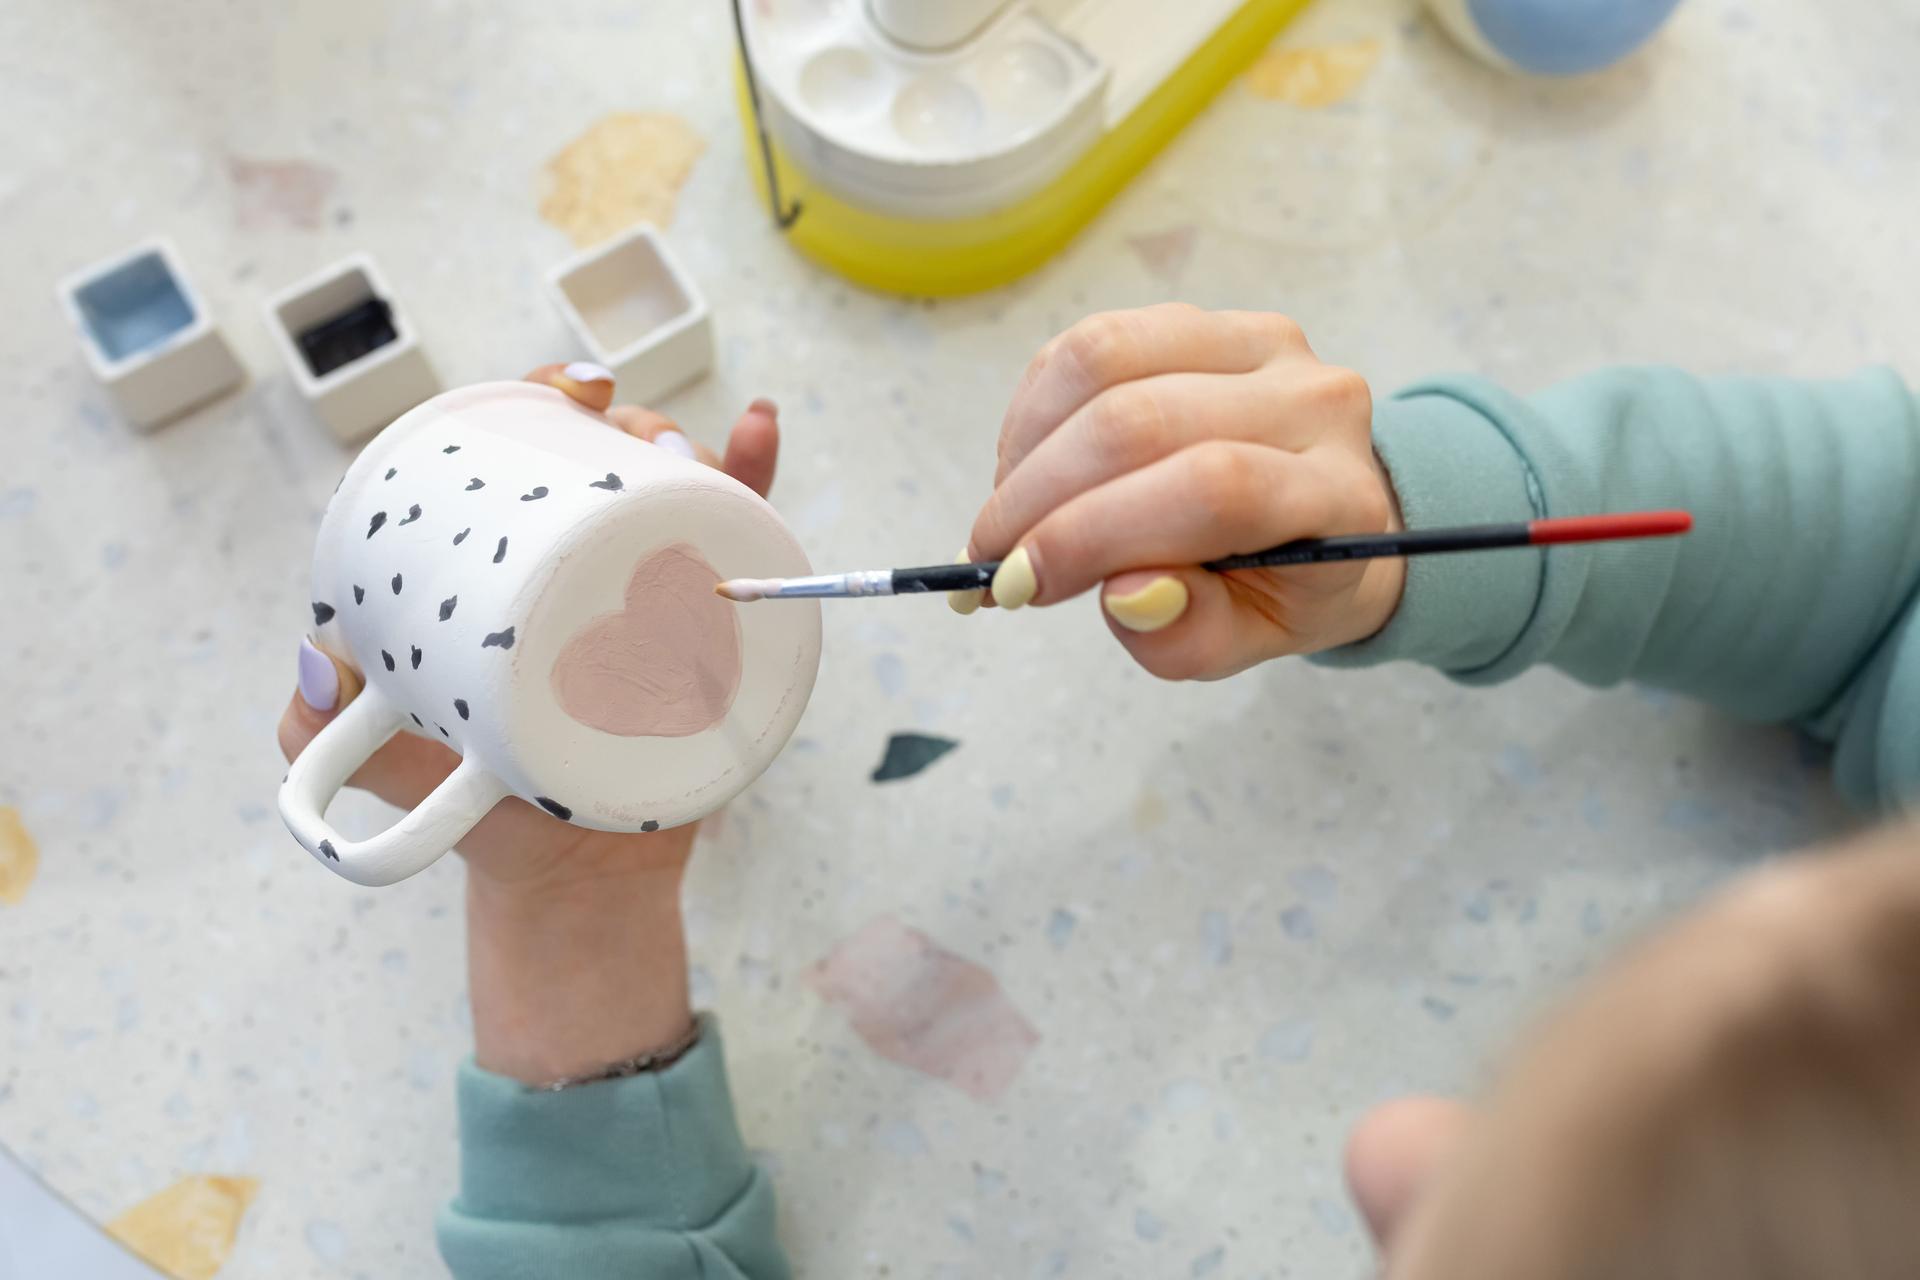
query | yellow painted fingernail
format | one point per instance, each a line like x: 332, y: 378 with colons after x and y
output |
x: 964, y: 602
x: 1015, y: 584
x: 1158, y: 604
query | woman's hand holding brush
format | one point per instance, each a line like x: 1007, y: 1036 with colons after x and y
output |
x: 1142, y: 444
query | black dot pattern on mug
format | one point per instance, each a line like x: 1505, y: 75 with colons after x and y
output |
x: 503, y: 639
x: 322, y: 613
x: 555, y: 808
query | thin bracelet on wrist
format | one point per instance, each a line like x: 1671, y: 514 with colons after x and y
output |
x: 652, y: 1060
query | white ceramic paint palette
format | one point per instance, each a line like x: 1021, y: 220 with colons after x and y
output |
x: 148, y: 335
x: 637, y: 311
x: 925, y: 108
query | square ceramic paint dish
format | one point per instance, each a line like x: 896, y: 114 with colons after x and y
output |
x: 148, y: 336
x: 637, y: 311
x: 350, y: 348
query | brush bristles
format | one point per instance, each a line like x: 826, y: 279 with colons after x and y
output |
x: 741, y: 590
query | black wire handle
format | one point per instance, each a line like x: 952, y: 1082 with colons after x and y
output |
x: 782, y: 218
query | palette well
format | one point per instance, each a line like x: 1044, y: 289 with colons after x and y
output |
x: 147, y: 335
x: 349, y: 347
x: 637, y: 311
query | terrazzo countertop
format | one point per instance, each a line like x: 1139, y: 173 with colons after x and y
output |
x: 1236, y: 915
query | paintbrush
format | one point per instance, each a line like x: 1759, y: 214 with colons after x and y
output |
x: 1362, y: 546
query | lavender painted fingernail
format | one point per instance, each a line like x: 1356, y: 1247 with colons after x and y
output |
x: 674, y: 442
x: 319, y: 682
x: 588, y: 371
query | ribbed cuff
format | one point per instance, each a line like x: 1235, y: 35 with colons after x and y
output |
x: 1452, y: 465
x: 662, y: 1147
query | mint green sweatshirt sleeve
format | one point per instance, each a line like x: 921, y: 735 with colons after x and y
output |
x: 1792, y: 601
x: 620, y: 1180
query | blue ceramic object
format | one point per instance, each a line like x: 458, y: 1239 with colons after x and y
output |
x: 1553, y: 37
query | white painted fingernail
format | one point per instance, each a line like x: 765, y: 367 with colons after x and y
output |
x: 588, y: 371
x: 674, y: 442
x: 964, y: 602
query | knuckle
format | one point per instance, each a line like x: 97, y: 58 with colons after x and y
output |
x: 1100, y: 347
x: 1127, y: 425
x: 1283, y: 331
x: 1347, y: 396
x: 1222, y: 481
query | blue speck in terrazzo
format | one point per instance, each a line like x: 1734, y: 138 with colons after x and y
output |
x: 1440, y: 1009
x: 1335, y: 1218
x: 1690, y: 814
x: 1316, y: 884
x: 1209, y: 1262
x: 1001, y: 797
x: 1146, y: 1226
x: 1201, y: 809
x: 393, y: 960
x: 988, y: 1182
x: 126, y: 1014
x: 1517, y: 765
x: 18, y: 501
x: 327, y: 1240
x: 890, y: 673
x: 1593, y: 811
x: 1592, y: 923
x: 961, y: 1228
x: 901, y: 1138
x: 177, y: 1107
x: 1216, y: 937
x: 700, y: 986
x: 1297, y: 922
x: 1060, y: 926
x: 252, y: 814
x: 425, y: 1070
x: 1478, y: 907
x: 113, y: 555
x: 1185, y: 1096
x: 1287, y: 1041
x: 84, y: 1106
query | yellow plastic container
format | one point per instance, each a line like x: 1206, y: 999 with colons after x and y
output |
x: 926, y: 257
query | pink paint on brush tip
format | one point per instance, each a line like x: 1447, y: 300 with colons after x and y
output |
x: 920, y: 1005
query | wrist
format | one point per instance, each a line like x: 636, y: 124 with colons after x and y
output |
x: 568, y: 973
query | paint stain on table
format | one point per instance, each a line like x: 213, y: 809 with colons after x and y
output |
x: 19, y: 857
x: 920, y: 1005
x: 1313, y: 78
x: 627, y: 168
x: 909, y: 753
x: 279, y: 193
x: 1165, y: 253
x: 188, y: 1230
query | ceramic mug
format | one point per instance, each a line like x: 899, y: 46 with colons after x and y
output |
x: 533, y: 587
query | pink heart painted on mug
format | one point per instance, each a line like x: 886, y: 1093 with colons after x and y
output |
x: 667, y: 665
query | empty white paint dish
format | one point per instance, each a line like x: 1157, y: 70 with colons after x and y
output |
x: 350, y: 348
x: 637, y: 311
x: 526, y: 583
x: 147, y: 334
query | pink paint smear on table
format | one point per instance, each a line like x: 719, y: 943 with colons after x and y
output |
x: 920, y: 1005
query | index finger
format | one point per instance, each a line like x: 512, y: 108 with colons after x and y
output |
x: 585, y: 381
x: 1113, y: 347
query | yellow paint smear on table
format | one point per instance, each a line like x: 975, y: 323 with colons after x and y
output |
x: 1313, y: 77
x: 187, y: 1230
x: 19, y: 857
x: 629, y: 167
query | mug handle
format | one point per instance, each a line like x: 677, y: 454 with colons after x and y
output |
x: 411, y: 844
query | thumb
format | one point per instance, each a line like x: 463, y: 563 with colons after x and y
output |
x: 325, y: 685
x: 1177, y: 623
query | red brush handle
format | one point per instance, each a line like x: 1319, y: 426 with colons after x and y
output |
x: 1633, y: 524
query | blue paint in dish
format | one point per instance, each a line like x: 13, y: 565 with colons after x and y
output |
x: 134, y: 308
